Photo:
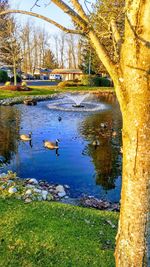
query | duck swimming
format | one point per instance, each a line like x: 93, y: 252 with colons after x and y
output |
x: 26, y: 137
x: 51, y: 145
x: 95, y: 143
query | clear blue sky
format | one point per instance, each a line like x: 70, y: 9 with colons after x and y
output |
x: 50, y: 11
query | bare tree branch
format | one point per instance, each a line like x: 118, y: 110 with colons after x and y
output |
x: 115, y: 32
x: 145, y: 42
x: 35, y: 4
x: 99, y: 48
x: 81, y: 22
x: 85, y: 3
x: 46, y: 5
x: 44, y: 18
x: 89, y: 31
x: 80, y: 10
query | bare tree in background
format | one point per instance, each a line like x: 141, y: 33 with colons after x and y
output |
x: 10, y: 48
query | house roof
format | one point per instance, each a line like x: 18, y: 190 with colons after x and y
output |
x: 42, y: 71
x: 66, y: 71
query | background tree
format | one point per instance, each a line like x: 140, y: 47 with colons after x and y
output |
x: 130, y: 72
x: 10, y: 48
x: 71, y: 51
x: 4, y: 20
x: 49, y: 61
x: 89, y: 63
x: 35, y: 48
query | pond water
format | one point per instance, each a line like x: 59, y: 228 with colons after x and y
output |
x: 77, y: 163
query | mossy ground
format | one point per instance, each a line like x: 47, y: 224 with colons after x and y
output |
x: 42, y: 234
x: 46, y: 90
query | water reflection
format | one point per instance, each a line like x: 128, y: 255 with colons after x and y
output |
x: 106, y: 157
x: 9, y: 132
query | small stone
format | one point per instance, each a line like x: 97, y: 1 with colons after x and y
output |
x: 44, y: 194
x: 2, y: 187
x: 51, y: 190
x: 66, y: 186
x: 39, y: 198
x: 60, y: 189
x: 2, y: 175
x: 30, y: 186
x: 36, y: 190
x: 62, y: 194
x: 28, y: 200
x: 10, y: 182
x: 28, y: 192
x: 33, y: 181
x: 49, y: 197
x: 12, y: 190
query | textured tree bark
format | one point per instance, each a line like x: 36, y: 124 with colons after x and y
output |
x: 131, y: 243
x: 131, y: 239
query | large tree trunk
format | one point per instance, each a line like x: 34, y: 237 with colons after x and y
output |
x: 131, y: 247
x: 131, y: 243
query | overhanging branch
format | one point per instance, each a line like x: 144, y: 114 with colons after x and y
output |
x: 80, y: 10
x: 81, y: 22
x: 43, y: 18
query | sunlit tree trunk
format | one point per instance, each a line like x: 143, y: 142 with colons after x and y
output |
x: 15, y: 72
x: 131, y: 239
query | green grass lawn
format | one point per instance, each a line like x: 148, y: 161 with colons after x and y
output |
x: 43, y: 234
x: 46, y: 90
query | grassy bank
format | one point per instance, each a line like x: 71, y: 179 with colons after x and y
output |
x: 46, y: 90
x: 45, y: 234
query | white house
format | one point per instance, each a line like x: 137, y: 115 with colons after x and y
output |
x: 68, y: 74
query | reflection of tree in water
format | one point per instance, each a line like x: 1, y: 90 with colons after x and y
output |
x: 106, y: 156
x: 9, y: 131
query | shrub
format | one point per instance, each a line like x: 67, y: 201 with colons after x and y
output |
x: 7, y: 83
x: 69, y: 84
x: 105, y: 82
x: 94, y: 80
x: 3, y: 76
x: 16, y: 88
x: 24, y: 84
x: 91, y: 80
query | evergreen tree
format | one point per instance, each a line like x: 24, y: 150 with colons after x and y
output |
x: 49, y: 61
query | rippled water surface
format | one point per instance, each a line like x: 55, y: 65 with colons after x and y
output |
x: 86, y: 169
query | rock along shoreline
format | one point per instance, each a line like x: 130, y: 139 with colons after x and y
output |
x: 30, y: 189
x: 20, y: 99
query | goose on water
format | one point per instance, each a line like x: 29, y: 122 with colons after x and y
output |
x: 51, y: 145
x: 95, y: 143
x: 26, y: 137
